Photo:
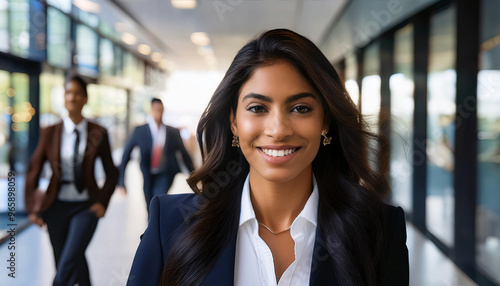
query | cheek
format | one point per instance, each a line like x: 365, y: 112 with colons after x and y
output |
x: 248, y: 128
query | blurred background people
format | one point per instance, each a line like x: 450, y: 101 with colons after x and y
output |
x: 73, y: 202
x: 163, y: 154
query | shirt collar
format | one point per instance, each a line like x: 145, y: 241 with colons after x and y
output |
x: 69, y: 125
x: 309, y: 212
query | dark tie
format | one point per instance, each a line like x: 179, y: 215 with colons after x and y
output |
x: 77, y: 166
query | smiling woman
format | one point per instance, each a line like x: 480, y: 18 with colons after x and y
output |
x: 285, y: 194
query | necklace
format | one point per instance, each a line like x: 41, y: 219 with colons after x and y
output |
x: 275, y: 233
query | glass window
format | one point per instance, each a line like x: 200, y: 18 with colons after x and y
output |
x: 22, y: 114
x: 370, y: 86
x: 488, y: 113
x: 58, y: 40
x: 51, y: 98
x: 19, y: 21
x: 108, y: 106
x: 4, y: 26
x: 63, y: 5
x: 351, y: 77
x: 402, y: 109
x: 5, y: 113
x: 106, y: 57
x: 86, y: 50
x: 441, y: 98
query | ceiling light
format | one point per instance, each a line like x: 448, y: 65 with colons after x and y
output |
x: 87, y: 6
x: 144, y: 49
x: 129, y: 39
x: 156, y: 57
x: 184, y: 4
x: 200, y: 39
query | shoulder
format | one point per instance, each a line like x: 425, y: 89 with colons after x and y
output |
x: 92, y: 126
x: 172, y: 129
x: 173, y: 210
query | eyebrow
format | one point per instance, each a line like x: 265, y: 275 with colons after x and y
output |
x: 288, y: 100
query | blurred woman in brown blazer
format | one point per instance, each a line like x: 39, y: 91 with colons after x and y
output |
x: 73, y: 202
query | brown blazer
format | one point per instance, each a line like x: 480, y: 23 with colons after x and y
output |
x: 48, y: 149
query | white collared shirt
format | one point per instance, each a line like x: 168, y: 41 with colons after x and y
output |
x: 254, y: 263
x: 68, y: 192
x: 158, y: 136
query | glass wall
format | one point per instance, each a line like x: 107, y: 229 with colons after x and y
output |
x: 51, y: 98
x: 4, y: 26
x: 22, y: 114
x: 58, y: 38
x: 402, y: 110
x: 86, y: 50
x: 488, y: 203
x: 351, y: 77
x: 370, y: 86
x: 19, y: 22
x: 5, y: 113
x: 441, y: 108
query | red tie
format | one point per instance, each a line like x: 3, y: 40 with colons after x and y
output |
x: 155, y: 157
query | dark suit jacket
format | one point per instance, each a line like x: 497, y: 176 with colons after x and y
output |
x: 48, y: 149
x: 168, y: 212
x: 168, y: 164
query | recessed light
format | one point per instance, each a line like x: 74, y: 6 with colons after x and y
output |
x: 129, y: 39
x: 200, y: 39
x: 184, y: 4
x: 144, y: 49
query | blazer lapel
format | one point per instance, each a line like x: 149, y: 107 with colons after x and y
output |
x: 322, y: 267
x: 222, y: 273
x: 58, y: 133
x: 90, y: 144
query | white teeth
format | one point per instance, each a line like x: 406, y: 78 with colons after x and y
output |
x: 278, y: 153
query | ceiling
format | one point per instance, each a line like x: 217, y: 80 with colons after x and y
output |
x: 229, y: 24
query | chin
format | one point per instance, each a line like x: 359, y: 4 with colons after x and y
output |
x: 278, y: 175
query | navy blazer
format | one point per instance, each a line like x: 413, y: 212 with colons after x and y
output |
x: 168, y: 164
x: 168, y: 212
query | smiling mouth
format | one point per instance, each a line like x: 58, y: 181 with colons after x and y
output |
x: 278, y: 153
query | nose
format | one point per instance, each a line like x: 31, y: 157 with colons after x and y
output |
x: 278, y: 126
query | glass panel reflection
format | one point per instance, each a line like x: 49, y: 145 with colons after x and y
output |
x: 402, y: 109
x: 4, y: 26
x: 5, y: 113
x: 441, y: 126
x: 351, y: 76
x: 19, y: 27
x: 58, y: 39
x: 370, y: 87
x: 488, y: 113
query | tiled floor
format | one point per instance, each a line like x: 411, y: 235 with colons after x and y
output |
x: 112, y: 248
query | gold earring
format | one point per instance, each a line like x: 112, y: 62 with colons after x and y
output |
x: 236, y: 141
x: 326, y: 140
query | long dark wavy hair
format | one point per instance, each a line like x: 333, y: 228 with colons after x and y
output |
x: 351, y: 212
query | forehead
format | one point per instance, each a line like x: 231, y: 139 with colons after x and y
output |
x: 279, y: 79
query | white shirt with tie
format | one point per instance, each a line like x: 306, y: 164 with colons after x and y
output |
x: 254, y: 264
x: 69, y: 192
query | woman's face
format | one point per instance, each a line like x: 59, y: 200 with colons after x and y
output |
x: 74, y: 97
x: 279, y: 120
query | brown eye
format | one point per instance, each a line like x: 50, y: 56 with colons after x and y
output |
x: 256, y: 109
x: 301, y: 109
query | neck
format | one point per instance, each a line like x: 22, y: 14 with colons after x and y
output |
x: 76, y: 118
x: 277, y: 204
